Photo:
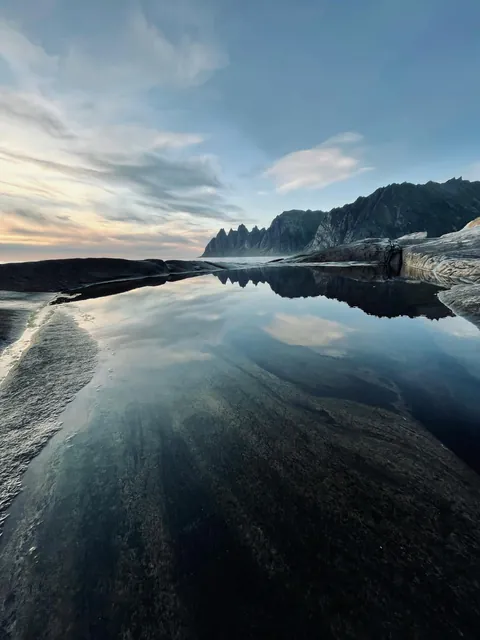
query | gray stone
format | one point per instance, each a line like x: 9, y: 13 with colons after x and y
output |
x: 463, y: 300
x: 454, y: 256
x: 412, y: 238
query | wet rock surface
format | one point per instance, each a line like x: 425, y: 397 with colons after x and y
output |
x: 219, y: 478
x: 36, y: 392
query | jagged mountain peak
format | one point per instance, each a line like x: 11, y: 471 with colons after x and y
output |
x: 288, y: 233
x: 393, y: 210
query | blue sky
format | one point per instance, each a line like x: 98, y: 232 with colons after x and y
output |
x: 139, y: 128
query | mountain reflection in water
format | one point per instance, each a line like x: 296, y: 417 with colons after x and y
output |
x: 365, y: 287
x: 362, y: 287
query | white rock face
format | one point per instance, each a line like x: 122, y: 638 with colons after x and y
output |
x: 455, y: 256
x: 463, y: 300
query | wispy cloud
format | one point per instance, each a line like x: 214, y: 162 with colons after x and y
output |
x: 79, y: 161
x: 31, y: 109
x: 141, y: 58
x: 29, y: 63
x: 336, y: 159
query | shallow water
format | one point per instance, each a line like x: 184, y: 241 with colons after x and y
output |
x: 264, y: 453
x: 17, y: 310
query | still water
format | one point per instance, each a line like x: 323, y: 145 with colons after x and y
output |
x: 264, y: 453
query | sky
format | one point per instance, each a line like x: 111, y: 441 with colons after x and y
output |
x: 138, y: 128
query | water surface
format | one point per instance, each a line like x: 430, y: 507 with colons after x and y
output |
x: 270, y: 453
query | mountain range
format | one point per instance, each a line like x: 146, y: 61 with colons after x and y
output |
x: 390, y: 211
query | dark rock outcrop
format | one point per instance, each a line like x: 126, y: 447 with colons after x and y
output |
x: 379, y: 251
x: 289, y: 233
x: 72, y: 273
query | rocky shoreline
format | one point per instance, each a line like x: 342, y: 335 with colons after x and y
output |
x: 76, y: 273
x: 455, y: 256
x: 452, y: 260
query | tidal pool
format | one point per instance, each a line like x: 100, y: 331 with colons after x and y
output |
x: 264, y: 453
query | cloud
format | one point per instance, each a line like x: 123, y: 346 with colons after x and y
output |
x: 347, y: 137
x: 188, y: 186
x: 28, y: 61
x: 27, y: 235
x: 29, y: 216
x: 338, y: 158
x: 140, y: 58
x: 31, y: 109
x: 82, y: 158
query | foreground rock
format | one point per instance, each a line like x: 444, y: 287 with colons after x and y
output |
x: 248, y: 489
x: 60, y: 275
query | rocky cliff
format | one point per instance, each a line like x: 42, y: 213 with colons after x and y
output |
x: 399, y: 209
x: 289, y: 233
x: 389, y: 212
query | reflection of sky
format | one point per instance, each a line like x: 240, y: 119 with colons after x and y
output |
x: 193, y: 315
x: 306, y: 331
x: 198, y: 348
x: 457, y: 327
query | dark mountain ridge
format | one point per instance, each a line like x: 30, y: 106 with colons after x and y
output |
x: 289, y: 233
x: 390, y: 211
